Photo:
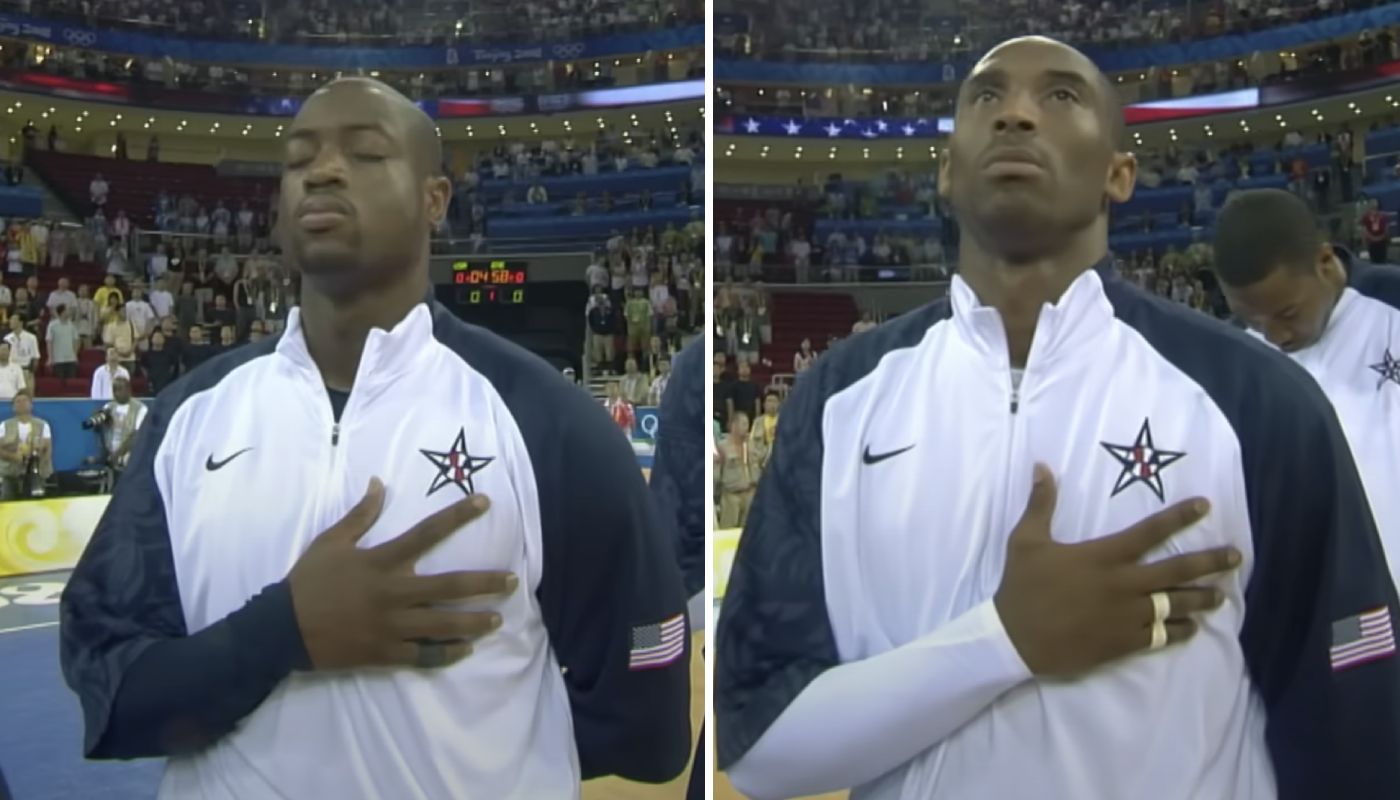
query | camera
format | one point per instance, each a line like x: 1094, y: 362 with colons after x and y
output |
x: 99, y: 418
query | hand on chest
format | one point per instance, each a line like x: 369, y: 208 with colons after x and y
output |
x: 929, y: 508
x: 258, y: 498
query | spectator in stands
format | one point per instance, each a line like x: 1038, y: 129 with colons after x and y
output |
x: 188, y: 306
x: 153, y: 148
x: 61, y: 339
x: 765, y: 428
x: 97, y: 192
x: 744, y: 338
x: 35, y: 302
x: 659, y: 382
x: 1375, y: 225
x: 116, y: 261
x: 119, y: 333
x: 601, y: 331
x: 737, y: 468
x: 220, y: 314
x: 160, y: 363
x: 12, y: 378
x: 124, y: 416
x: 662, y: 304
x: 804, y: 357
x: 38, y: 241
x: 109, y: 313
x: 24, y: 347
x: 596, y: 275
x: 14, y: 252
x: 26, y: 451
x: 226, y: 270
x: 636, y: 386
x: 107, y: 373
x: 865, y: 323
x: 721, y: 388
x: 83, y: 245
x: 249, y: 296
x: 656, y: 351
x: 743, y: 394
x: 119, y: 149
x: 536, y: 194
x: 140, y: 313
x: 85, y: 317
x: 196, y: 351
x: 61, y: 296
x: 121, y: 228
x: 638, y: 315
x: 621, y: 409
x: 59, y: 243
x: 245, y: 221
x: 53, y: 137
x: 161, y: 300
x: 228, y: 339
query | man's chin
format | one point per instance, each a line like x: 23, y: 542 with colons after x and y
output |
x: 327, y: 257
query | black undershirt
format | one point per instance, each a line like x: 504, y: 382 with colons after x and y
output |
x: 338, y: 400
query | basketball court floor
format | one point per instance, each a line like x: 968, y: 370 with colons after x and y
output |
x: 41, y: 724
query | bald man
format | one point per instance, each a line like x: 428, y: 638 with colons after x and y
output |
x: 1052, y: 537
x: 472, y: 624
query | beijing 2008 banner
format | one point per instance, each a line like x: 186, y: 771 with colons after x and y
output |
x: 46, y: 535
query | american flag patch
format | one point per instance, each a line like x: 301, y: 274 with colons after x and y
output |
x: 1362, y: 638
x: 657, y: 645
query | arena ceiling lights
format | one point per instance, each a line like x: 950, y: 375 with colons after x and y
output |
x: 81, y: 119
x: 1225, y: 122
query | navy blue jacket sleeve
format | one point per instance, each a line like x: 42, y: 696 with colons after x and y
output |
x: 610, y: 575
x: 1318, y: 563
x: 1318, y: 558
x: 774, y: 635
x: 147, y: 687
x: 678, y: 472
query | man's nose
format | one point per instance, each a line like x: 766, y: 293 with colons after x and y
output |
x: 1016, y: 115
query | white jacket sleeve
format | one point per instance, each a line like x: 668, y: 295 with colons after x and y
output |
x: 857, y: 721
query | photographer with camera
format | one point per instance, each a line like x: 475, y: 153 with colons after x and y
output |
x: 117, y: 423
x: 26, y: 451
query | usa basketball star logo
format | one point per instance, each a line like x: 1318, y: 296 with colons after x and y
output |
x: 456, y: 466
x: 1142, y: 462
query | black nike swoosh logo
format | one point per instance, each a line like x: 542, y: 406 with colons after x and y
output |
x: 212, y: 465
x: 875, y: 459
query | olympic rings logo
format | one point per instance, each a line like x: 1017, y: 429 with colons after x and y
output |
x: 80, y: 38
x: 572, y: 50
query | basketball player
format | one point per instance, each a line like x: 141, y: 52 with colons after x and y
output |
x: 1053, y: 537
x: 249, y: 609
x: 1336, y: 316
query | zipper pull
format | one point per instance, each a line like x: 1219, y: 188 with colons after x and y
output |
x: 1015, y: 399
x: 335, y: 434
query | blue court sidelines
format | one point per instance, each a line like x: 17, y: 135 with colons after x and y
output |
x: 41, y: 738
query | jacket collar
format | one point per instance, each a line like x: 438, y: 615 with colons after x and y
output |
x: 387, y: 354
x: 1082, y: 314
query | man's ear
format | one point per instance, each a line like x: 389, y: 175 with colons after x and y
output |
x: 1329, y: 266
x: 945, y: 176
x: 438, y: 194
x: 1121, y: 178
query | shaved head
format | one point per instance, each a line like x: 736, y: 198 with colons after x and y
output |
x: 362, y: 188
x: 1110, y: 103
x: 1036, y: 156
x: 418, y: 127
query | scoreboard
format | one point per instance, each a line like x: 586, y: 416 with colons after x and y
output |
x: 490, y: 281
